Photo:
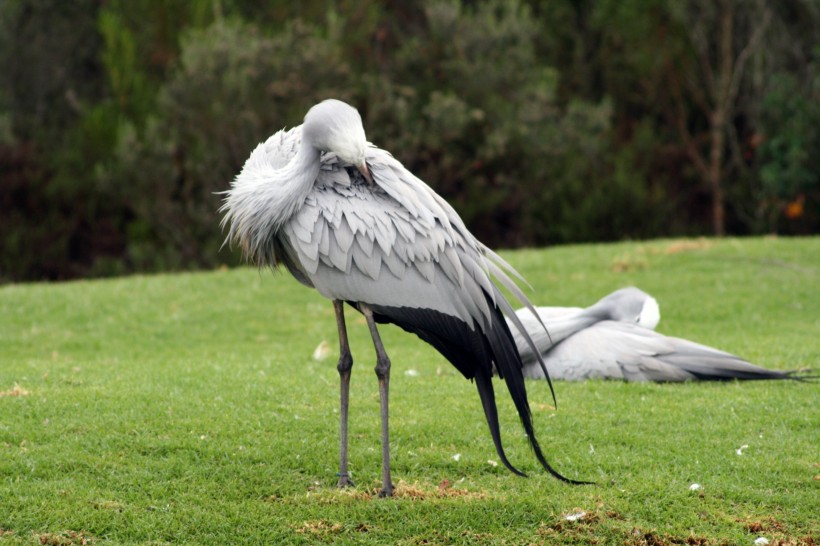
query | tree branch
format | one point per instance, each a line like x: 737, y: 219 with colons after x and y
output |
x: 746, y: 52
x: 680, y: 119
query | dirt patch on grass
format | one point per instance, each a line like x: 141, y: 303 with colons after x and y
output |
x: 16, y: 390
x: 638, y: 258
x: 628, y: 262
x: 413, y: 491
x: 579, y: 525
x: 319, y: 527
x: 640, y: 537
x: 326, y: 528
x: 65, y: 538
x: 768, y: 525
x: 800, y: 541
x: 775, y: 532
x: 598, y: 526
x: 651, y: 538
x: 111, y: 505
x: 444, y: 490
x: 687, y: 246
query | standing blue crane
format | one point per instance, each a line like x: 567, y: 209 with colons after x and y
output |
x: 346, y: 218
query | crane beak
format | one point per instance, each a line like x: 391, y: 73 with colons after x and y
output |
x: 365, y: 172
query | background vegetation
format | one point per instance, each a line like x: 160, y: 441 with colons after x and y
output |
x: 542, y: 121
x: 187, y: 409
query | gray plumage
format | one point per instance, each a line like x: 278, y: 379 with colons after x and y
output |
x: 347, y: 219
x: 615, y: 339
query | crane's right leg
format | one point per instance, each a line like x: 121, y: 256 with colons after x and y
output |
x: 383, y: 373
x: 344, y: 367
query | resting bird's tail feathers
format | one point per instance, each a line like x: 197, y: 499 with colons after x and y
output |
x: 800, y: 375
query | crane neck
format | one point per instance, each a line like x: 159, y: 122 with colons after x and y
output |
x: 281, y: 192
x: 299, y: 175
x: 562, y: 327
x: 561, y: 323
x: 264, y: 198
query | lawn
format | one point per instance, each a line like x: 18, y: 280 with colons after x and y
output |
x: 189, y: 408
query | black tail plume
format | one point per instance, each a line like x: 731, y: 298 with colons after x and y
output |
x: 472, y: 350
x: 800, y: 375
x: 509, y: 367
x: 485, y: 390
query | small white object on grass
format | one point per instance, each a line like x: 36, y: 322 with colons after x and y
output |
x: 492, y: 462
x: 761, y: 541
x: 322, y: 351
x: 411, y: 373
x: 695, y: 487
x: 456, y: 457
x: 739, y: 450
x: 576, y: 516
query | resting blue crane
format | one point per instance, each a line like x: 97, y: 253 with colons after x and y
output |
x: 348, y: 219
x: 615, y: 339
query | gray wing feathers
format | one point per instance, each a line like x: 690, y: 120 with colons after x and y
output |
x: 343, y: 237
x: 621, y: 350
x: 502, y: 263
x: 364, y: 259
x: 608, y: 349
x: 708, y: 363
x: 398, y: 227
x: 391, y: 228
x: 401, y: 185
x: 338, y: 254
x: 451, y: 264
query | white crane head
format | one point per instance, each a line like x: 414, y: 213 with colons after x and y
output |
x: 628, y: 305
x: 335, y: 126
x: 650, y: 313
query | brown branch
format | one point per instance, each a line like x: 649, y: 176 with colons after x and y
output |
x: 697, y: 39
x: 695, y: 90
x: 726, y: 57
x: 747, y: 52
x: 690, y: 145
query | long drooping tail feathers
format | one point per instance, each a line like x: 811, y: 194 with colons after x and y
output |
x: 473, y: 351
x: 484, y: 384
x: 509, y: 367
x: 498, y: 268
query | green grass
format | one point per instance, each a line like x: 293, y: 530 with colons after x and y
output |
x: 188, y: 409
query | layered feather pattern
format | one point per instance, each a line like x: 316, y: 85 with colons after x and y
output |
x: 392, y: 244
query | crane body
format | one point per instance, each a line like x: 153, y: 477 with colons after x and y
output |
x: 348, y: 219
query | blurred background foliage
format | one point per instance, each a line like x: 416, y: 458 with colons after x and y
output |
x: 541, y: 121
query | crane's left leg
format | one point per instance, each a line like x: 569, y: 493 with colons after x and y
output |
x: 383, y: 373
x: 344, y: 367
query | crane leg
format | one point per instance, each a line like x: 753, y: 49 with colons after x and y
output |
x: 344, y: 367
x: 383, y: 373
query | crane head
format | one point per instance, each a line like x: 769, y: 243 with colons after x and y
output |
x: 650, y: 314
x: 628, y: 305
x: 335, y: 126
